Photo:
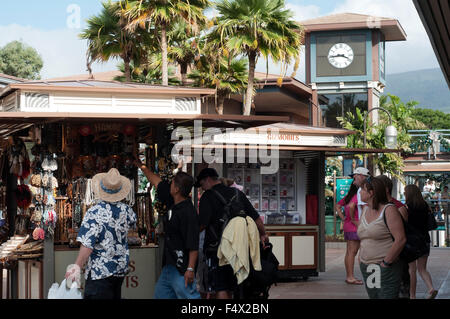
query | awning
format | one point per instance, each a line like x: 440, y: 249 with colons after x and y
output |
x: 329, y: 151
x: 427, y: 167
x: 284, y: 137
x: 11, y: 122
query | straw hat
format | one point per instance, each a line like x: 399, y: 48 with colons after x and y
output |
x: 111, y: 187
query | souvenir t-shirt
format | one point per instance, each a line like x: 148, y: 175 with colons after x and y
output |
x: 105, y: 230
x: 348, y: 225
x: 211, y: 209
x: 181, y: 229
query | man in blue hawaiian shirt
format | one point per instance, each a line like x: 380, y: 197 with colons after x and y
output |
x: 103, y: 238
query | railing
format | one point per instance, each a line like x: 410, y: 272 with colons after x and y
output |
x: 444, y: 134
x: 441, y: 211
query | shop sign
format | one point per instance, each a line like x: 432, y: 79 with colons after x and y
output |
x: 139, y: 282
x: 274, y: 137
x: 342, y: 187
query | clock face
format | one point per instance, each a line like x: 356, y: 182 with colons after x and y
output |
x: 341, y: 55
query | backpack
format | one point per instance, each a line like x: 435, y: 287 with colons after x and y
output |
x: 416, y: 244
x: 258, y: 283
x: 232, y: 208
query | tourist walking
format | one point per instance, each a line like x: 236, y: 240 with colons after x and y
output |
x: 181, y: 236
x: 382, y: 240
x: 351, y: 221
x: 418, y: 211
x: 103, y: 238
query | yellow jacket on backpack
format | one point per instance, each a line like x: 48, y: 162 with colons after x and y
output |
x: 239, y: 237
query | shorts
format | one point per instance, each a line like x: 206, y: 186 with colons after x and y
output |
x: 351, y: 236
x: 106, y: 288
x: 220, y: 278
x: 387, y: 286
x: 428, y: 251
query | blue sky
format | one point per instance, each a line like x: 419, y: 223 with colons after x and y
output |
x: 51, y: 14
x: 48, y: 26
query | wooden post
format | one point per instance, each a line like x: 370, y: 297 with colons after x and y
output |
x: 48, y: 265
x: 321, y: 197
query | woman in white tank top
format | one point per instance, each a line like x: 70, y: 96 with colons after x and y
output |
x: 379, y: 251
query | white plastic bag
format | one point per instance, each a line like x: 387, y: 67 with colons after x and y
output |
x: 62, y: 292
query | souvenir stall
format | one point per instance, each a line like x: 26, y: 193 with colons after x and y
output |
x: 290, y: 199
x: 51, y: 177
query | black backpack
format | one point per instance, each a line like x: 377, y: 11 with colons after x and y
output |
x: 258, y: 283
x: 232, y: 208
x: 416, y: 244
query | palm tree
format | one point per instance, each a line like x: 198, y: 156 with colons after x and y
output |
x: 258, y: 27
x: 183, y: 47
x: 160, y: 13
x: 227, y: 76
x: 108, y: 38
x: 149, y: 72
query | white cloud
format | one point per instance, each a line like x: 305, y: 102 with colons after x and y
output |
x: 414, y: 54
x: 302, y: 13
x: 64, y: 54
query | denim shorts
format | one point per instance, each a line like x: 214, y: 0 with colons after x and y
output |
x: 171, y: 285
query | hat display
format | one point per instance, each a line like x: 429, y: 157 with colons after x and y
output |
x: 111, y: 187
x: 206, y: 172
x: 360, y: 171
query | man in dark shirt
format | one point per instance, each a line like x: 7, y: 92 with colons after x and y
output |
x: 221, y: 279
x: 181, y: 237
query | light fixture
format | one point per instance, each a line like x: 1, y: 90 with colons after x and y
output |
x: 390, y: 133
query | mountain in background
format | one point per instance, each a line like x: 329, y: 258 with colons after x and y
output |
x: 428, y: 87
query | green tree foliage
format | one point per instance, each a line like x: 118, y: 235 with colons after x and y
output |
x: 20, y: 60
x: 401, y: 115
x: 183, y: 47
x: 434, y: 120
x: 221, y: 71
x: 146, y: 73
x: 256, y: 28
x: 108, y: 38
x: 158, y: 14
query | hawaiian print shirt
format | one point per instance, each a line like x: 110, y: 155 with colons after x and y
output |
x: 105, y: 230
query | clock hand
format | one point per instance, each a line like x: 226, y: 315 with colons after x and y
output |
x: 339, y: 56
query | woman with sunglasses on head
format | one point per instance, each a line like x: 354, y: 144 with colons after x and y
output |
x: 382, y: 238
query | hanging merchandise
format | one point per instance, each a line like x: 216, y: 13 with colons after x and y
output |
x: 23, y: 196
x: 38, y: 234
x: 130, y: 199
x: 19, y: 163
x: 2, y: 219
x: 36, y: 180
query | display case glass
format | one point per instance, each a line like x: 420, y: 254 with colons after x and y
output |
x: 274, y: 196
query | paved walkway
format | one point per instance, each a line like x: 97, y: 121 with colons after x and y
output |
x: 331, y: 284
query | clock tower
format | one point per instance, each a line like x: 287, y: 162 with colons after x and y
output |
x: 345, y: 63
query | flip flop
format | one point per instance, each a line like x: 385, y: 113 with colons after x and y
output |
x: 432, y: 295
x: 356, y: 282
